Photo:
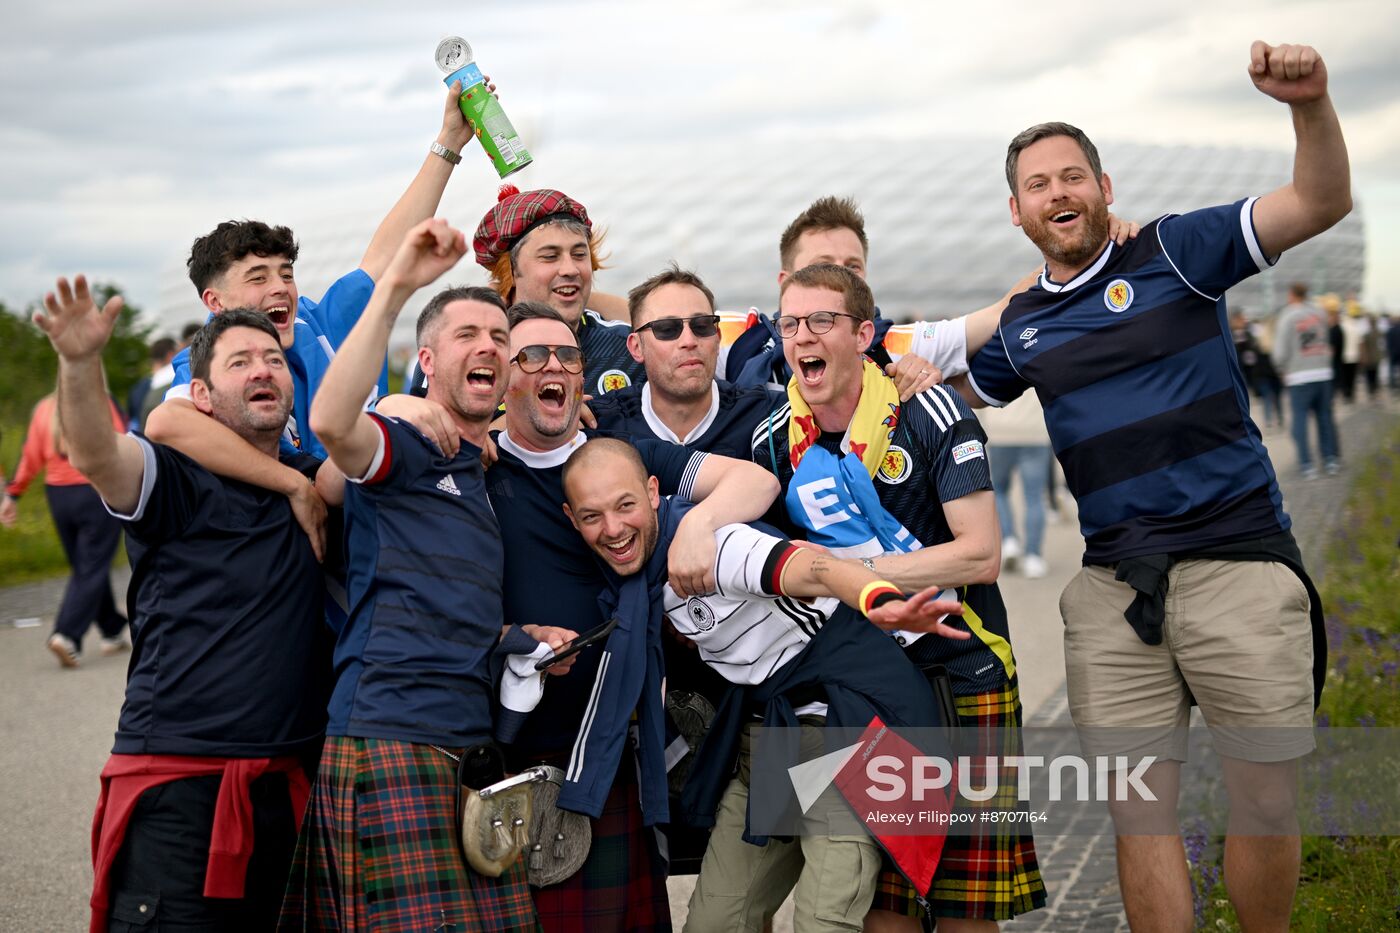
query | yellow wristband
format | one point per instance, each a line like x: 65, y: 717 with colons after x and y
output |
x: 873, y: 591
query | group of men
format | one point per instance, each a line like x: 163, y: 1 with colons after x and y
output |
x: 294, y: 737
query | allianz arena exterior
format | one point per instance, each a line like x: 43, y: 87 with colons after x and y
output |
x: 941, y: 242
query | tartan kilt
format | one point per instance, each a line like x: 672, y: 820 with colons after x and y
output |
x: 991, y: 875
x: 622, y: 884
x: 378, y: 849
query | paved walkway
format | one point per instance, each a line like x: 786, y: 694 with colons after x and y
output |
x: 58, y: 724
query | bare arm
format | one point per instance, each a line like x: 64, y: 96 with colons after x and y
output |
x: 973, y: 556
x: 178, y: 423
x: 726, y: 491
x: 330, y: 484
x: 337, y: 417
x: 964, y: 388
x: 810, y: 573
x: 420, y: 201
x: 1320, y: 193
x: 78, y: 331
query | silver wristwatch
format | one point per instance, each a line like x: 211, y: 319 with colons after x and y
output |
x: 439, y: 149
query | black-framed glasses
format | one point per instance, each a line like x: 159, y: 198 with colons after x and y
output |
x: 533, y: 358
x: 669, y: 328
x: 818, y: 322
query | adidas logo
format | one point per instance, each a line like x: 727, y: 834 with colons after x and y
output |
x: 448, y: 484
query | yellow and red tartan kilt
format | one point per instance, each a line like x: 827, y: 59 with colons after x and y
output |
x: 991, y: 875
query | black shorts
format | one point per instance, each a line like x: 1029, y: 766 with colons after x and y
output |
x: 158, y: 876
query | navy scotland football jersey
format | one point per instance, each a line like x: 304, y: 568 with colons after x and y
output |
x: 727, y: 430
x: 230, y: 654
x: 1144, y: 399
x: 424, y: 565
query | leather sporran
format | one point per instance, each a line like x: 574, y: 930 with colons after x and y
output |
x: 692, y: 714
x: 559, y: 839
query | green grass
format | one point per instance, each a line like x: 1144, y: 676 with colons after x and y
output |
x: 1349, y: 882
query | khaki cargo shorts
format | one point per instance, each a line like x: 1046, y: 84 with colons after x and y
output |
x: 1237, y: 637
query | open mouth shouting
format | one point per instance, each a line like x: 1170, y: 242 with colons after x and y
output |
x: 263, y: 393
x: 622, y: 553
x: 482, y: 377
x: 813, y: 368
x: 552, y: 397
x: 281, y: 316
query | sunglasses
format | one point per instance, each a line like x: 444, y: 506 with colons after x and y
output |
x: 533, y: 358
x: 818, y: 323
x: 669, y: 328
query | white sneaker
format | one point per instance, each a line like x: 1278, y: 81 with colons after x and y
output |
x: 1010, y: 550
x: 115, y: 645
x: 62, y: 646
x: 1033, y: 568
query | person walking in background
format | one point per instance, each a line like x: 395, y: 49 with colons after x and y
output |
x: 1392, y: 352
x: 1353, y: 329
x: 150, y: 391
x: 1372, y: 350
x: 1019, y: 443
x: 1265, y: 379
x: 1302, y: 356
x: 86, y: 530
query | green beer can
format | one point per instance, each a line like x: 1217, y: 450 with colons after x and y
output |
x: 494, y: 131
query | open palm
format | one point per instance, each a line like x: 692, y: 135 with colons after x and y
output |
x: 74, y: 325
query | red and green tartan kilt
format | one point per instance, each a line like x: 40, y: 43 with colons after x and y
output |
x: 378, y: 849
x: 985, y: 876
x: 622, y: 884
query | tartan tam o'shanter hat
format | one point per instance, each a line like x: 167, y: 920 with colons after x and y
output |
x: 516, y: 213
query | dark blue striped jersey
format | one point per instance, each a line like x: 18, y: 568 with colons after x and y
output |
x: 424, y: 564
x: 1144, y: 399
x: 727, y: 429
x: 607, y: 363
x: 937, y: 455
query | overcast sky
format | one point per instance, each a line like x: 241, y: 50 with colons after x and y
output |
x: 131, y: 128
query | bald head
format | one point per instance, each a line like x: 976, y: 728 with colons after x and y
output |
x: 606, y: 456
x: 612, y: 501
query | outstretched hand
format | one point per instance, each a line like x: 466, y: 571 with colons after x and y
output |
x: 430, y: 249
x: 74, y: 325
x: 919, y: 613
x: 1291, y: 74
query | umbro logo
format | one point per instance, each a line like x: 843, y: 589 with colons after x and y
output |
x: 1028, y: 333
x: 448, y: 484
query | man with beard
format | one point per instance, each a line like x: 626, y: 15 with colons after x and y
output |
x: 551, y: 578
x: 1192, y: 581
x: 775, y: 627
x: 204, y: 788
x: 413, y: 686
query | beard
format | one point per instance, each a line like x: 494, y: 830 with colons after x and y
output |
x: 1074, y: 252
x: 234, y: 412
x: 552, y: 425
